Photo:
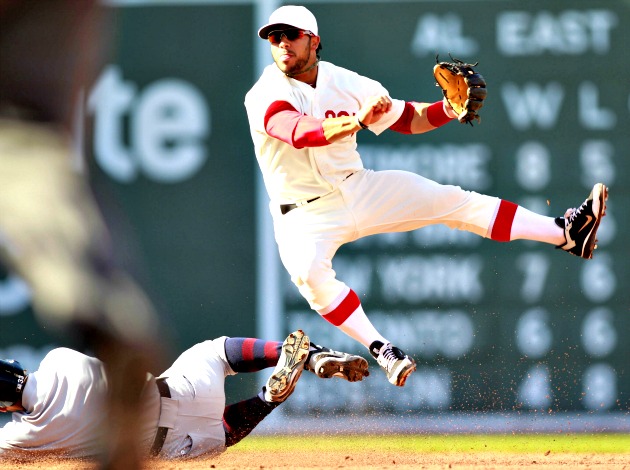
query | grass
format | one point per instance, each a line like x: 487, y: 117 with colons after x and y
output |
x: 513, y: 443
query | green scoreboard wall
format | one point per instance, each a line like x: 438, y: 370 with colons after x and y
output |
x: 493, y: 326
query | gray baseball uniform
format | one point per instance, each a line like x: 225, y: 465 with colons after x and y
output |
x: 194, y: 413
x: 64, y: 399
x: 64, y: 413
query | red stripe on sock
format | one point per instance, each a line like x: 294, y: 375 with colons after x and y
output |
x: 248, y: 349
x: 344, y: 309
x: 502, y: 228
x: 272, y: 351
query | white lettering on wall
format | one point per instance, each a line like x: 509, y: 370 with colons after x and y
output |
x: 442, y: 33
x: 590, y: 113
x: 464, y: 165
x: 535, y: 267
x: 169, y: 123
x: 424, y: 333
x: 533, y: 166
x: 599, y: 336
x: 535, y: 390
x: 415, y: 279
x: 569, y: 32
x: 597, y: 278
x: 108, y: 101
x: 533, y: 333
x: 597, y: 162
x: 599, y: 387
x: 532, y: 104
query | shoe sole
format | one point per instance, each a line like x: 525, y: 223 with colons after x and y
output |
x: 353, y: 370
x: 406, y: 372
x: 293, y: 357
x: 591, y: 240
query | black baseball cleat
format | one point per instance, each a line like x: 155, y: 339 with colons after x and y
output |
x: 580, y: 225
x: 326, y: 363
x: 396, y: 364
x: 289, y: 368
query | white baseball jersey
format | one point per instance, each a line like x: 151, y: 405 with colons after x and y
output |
x: 63, y: 400
x: 291, y: 174
x: 348, y: 207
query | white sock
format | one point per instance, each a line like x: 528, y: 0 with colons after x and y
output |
x: 359, y: 327
x: 528, y: 225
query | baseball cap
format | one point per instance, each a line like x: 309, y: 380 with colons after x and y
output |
x: 292, y: 15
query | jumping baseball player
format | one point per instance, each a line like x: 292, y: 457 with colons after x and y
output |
x: 58, y: 409
x: 304, y: 116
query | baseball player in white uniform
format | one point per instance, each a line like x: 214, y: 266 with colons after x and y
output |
x: 304, y: 116
x: 58, y: 409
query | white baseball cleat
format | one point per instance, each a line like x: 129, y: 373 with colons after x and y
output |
x: 396, y: 364
x: 289, y: 368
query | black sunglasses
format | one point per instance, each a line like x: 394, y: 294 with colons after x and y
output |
x: 275, y: 37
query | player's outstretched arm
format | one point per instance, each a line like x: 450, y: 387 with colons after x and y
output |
x: 418, y: 117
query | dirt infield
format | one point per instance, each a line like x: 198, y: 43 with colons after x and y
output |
x: 432, y: 461
x: 360, y: 459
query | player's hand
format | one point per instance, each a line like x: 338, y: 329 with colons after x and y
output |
x: 374, y: 109
x: 448, y: 109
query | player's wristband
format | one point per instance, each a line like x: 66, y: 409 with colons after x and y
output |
x: 363, y: 126
x: 436, y: 114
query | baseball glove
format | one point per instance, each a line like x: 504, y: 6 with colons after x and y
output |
x: 463, y: 88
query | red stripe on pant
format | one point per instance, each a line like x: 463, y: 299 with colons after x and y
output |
x: 344, y: 309
x: 502, y: 228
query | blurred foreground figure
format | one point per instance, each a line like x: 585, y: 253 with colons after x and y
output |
x: 51, y: 232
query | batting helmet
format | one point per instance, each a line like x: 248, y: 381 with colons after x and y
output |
x: 12, y: 378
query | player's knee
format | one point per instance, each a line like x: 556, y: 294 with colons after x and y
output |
x: 314, y: 274
x: 321, y: 296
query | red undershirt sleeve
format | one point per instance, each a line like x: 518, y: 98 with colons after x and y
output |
x: 287, y: 124
x: 437, y: 115
x: 403, y: 125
